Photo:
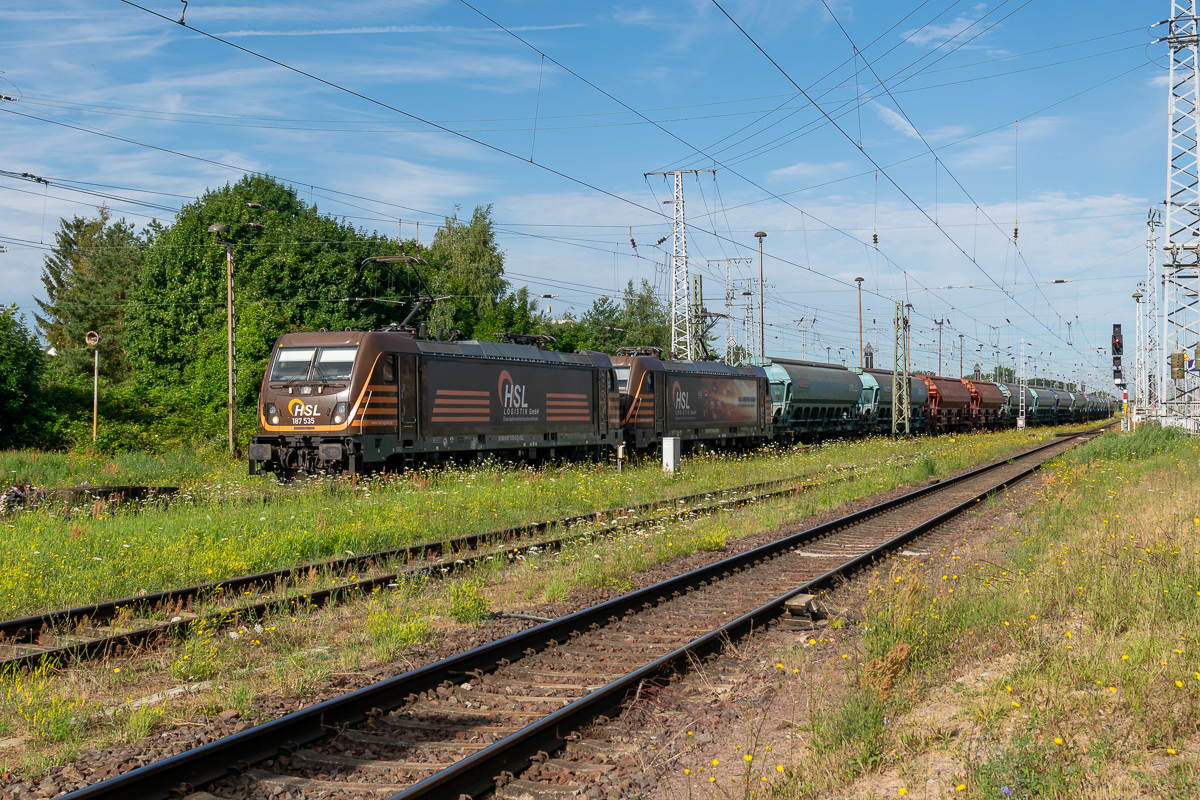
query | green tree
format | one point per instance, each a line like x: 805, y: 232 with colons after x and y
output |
x: 89, y: 276
x: 21, y: 368
x: 296, y: 274
x: 467, y: 268
x: 640, y: 319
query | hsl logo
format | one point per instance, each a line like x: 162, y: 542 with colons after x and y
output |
x: 298, y: 408
x: 680, y: 398
x: 512, y: 395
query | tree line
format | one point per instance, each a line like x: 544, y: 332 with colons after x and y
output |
x: 157, y: 298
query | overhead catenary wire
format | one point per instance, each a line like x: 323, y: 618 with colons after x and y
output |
x: 780, y: 259
x: 890, y: 179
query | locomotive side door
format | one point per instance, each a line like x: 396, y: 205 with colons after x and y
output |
x: 407, y: 407
x: 603, y: 379
x: 660, y: 402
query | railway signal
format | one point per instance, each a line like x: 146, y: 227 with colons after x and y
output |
x: 1118, y: 349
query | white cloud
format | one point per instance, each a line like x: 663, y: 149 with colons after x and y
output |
x: 804, y: 169
x: 394, y: 29
x: 895, y: 121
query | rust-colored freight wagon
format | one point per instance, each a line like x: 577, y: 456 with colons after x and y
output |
x: 949, y: 404
x: 368, y: 399
x: 987, y: 402
x: 701, y: 402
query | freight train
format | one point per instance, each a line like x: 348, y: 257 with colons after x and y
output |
x: 356, y: 401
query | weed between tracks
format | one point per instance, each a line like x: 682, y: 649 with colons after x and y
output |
x: 222, y: 526
x: 292, y: 656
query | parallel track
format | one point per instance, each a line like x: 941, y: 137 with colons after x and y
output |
x: 119, y: 626
x: 467, y: 724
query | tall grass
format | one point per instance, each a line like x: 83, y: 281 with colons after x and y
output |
x: 223, y: 527
x: 1094, y: 604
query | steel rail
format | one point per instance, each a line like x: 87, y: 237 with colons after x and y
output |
x: 14, y: 628
x: 235, y: 754
x: 148, y: 635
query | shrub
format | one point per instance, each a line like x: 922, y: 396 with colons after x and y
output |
x: 34, y: 698
x: 198, y: 657
x: 393, y: 631
x: 465, y: 603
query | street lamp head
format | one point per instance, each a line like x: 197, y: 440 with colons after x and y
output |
x: 92, y: 338
x: 760, y: 236
x: 258, y: 206
x: 859, y: 281
x: 218, y: 228
x: 256, y: 225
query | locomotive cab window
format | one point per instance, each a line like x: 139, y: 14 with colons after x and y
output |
x: 385, y: 371
x: 622, y: 378
x: 292, y: 363
x: 315, y: 364
x: 334, y: 363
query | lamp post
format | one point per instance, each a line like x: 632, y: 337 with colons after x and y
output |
x: 960, y: 347
x: 231, y: 329
x: 859, y: 281
x: 762, y: 342
x: 93, y: 340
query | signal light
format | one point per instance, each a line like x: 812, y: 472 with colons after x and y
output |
x: 1118, y: 343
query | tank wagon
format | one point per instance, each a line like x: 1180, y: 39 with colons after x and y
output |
x: 372, y: 399
x: 353, y: 401
x: 701, y: 402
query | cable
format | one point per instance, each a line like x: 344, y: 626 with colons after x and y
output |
x: 890, y: 179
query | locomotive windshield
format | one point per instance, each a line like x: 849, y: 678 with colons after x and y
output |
x: 311, y: 363
x: 334, y: 363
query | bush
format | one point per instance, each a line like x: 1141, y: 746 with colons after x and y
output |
x: 198, y: 658
x: 465, y: 603
x: 393, y: 631
x: 33, y: 697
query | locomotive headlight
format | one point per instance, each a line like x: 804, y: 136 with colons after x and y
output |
x: 339, y: 413
x: 305, y: 390
x: 272, y: 413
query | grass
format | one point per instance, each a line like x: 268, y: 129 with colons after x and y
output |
x: 1083, y: 625
x: 223, y: 527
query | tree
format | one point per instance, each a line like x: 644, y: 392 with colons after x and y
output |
x: 299, y: 273
x: 639, y: 320
x: 89, y: 276
x: 21, y: 367
x: 467, y: 265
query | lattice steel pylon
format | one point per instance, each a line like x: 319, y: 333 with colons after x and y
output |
x: 682, y: 324
x: 901, y: 401
x: 1150, y: 311
x: 681, y: 306
x: 1181, y: 279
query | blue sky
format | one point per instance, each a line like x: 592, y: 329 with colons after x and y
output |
x: 108, y: 94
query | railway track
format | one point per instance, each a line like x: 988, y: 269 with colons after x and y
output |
x: 120, y: 626
x: 469, y: 724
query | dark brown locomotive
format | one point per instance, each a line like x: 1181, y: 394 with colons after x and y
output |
x: 698, y: 401
x: 354, y: 400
